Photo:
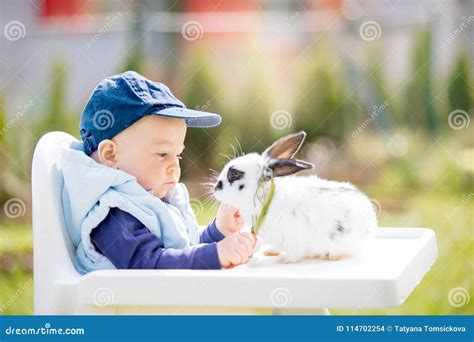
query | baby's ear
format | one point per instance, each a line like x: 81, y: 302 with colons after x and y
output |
x: 107, y: 153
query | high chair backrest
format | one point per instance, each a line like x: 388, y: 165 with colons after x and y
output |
x: 53, y: 250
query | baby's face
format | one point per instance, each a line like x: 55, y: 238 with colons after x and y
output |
x: 150, y: 150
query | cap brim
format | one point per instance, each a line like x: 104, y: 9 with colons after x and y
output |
x: 193, y: 118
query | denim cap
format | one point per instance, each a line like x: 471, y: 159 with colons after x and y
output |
x: 121, y: 100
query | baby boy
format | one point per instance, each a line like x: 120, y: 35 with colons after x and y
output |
x: 133, y: 212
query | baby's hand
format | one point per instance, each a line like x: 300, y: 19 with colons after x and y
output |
x: 228, y: 220
x: 235, y: 249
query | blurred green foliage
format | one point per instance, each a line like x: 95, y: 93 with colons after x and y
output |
x: 3, y: 193
x: 461, y: 93
x: 323, y: 109
x: 135, y: 58
x: 201, y: 92
x: 55, y: 115
x: 419, y: 111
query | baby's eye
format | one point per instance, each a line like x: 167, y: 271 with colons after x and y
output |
x: 164, y: 154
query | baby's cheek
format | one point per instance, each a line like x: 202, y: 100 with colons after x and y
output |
x: 148, y: 179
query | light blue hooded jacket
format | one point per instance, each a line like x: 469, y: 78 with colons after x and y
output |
x: 91, y: 189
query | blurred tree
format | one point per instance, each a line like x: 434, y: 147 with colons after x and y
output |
x: 460, y: 91
x: 56, y: 117
x: 356, y: 101
x: 134, y: 61
x: 251, y: 115
x: 419, y: 110
x: 379, y: 96
x: 13, y: 179
x: 3, y: 161
x: 199, y: 90
x: 321, y: 108
x: 135, y: 57
x: 2, y: 119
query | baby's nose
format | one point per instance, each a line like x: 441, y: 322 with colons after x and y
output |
x: 219, y: 185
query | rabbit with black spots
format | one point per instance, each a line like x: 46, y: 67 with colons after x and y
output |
x: 304, y: 216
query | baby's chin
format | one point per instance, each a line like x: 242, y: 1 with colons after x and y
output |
x: 162, y: 191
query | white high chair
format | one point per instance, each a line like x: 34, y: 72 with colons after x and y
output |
x: 384, y: 277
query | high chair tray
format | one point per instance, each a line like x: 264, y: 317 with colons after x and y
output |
x: 384, y: 276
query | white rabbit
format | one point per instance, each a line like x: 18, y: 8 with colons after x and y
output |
x: 303, y: 216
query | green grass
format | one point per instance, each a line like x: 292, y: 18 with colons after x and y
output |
x: 16, y: 277
x: 16, y: 291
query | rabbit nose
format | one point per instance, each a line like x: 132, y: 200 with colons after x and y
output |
x: 219, y: 185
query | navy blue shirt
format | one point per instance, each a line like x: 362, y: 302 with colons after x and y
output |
x: 129, y: 244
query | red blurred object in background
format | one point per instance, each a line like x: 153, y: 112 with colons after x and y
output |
x: 51, y: 8
x: 221, y: 6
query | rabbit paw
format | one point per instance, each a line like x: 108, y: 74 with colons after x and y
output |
x: 289, y: 258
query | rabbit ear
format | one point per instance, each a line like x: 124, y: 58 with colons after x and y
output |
x: 285, y: 147
x: 284, y: 167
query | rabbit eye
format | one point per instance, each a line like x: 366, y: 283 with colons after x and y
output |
x: 234, y: 174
